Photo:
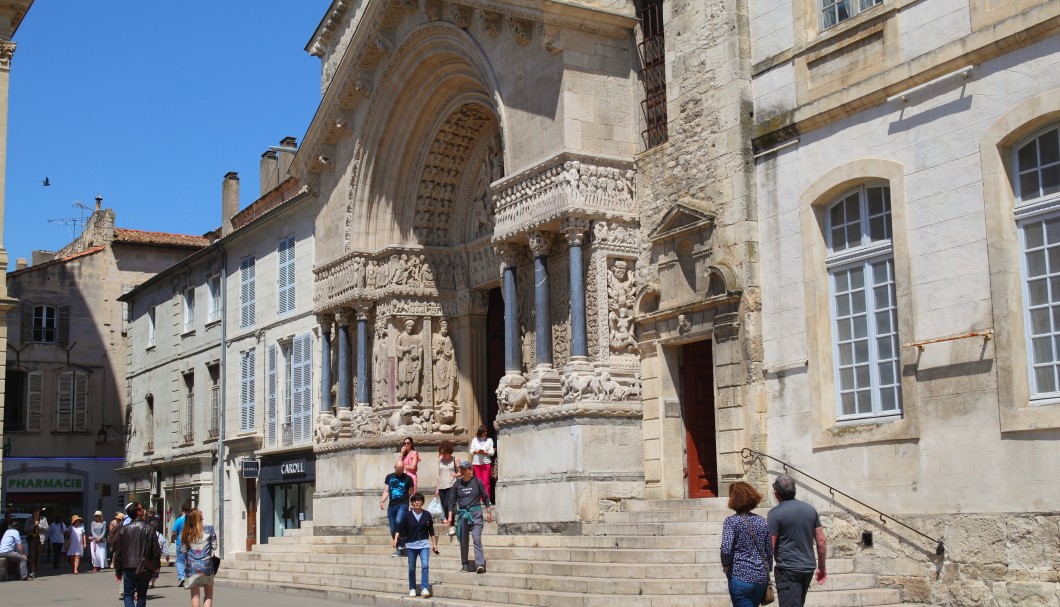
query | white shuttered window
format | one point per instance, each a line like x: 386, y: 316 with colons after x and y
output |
x: 285, y: 278
x: 246, y: 391
x: 34, y: 395
x: 71, y: 404
x: 302, y: 388
x: 246, y: 293
x: 270, y: 396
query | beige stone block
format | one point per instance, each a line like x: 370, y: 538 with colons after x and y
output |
x: 1027, y: 594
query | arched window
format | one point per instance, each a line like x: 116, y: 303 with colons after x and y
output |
x: 863, y: 305
x: 1036, y: 181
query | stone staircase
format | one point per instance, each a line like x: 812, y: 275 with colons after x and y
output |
x: 649, y: 554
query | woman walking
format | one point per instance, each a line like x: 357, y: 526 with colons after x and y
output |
x: 411, y: 460
x: 446, y: 475
x: 77, y: 542
x: 98, y: 534
x: 416, y: 531
x: 197, y: 545
x: 746, y: 548
x: 482, y: 453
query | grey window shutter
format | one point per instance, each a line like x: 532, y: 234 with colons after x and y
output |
x: 27, y: 322
x: 63, y: 321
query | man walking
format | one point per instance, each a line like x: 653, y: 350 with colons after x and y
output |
x: 37, y: 532
x: 11, y: 549
x: 796, y: 528
x: 467, y: 498
x: 135, y: 543
x: 398, y: 488
x: 178, y: 527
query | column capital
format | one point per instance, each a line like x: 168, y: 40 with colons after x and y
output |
x: 7, y: 51
x: 326, y: 321
x: 540, y: 242
x: 363, y: 310
x: 344, y: 317
x: 575, y: 229
x: 507, y: 253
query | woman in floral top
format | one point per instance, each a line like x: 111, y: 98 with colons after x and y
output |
x: 746, y: 548
x: 198, y: 543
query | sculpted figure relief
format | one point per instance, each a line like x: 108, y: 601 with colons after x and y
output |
x: 358, y: 273
x: 620, y: 288
x: 379, y: 366
x: 444, y: 367
x: 622, y: 330
x: 620, y: 297
x: 408, y: 348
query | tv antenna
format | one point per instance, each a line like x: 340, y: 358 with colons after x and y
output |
x: 76, y: 225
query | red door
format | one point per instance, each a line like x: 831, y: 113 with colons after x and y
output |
x: 252, y: 513
x: 697, y: 371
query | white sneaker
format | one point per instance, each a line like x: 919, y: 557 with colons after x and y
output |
x: 426, y: 593
x: 412, y: 592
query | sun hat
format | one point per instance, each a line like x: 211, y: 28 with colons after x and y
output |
x: 98, y: 513
x: 75, y: 518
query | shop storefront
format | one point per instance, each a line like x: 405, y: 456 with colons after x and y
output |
x: 61, y: 486
x: 287, y: 485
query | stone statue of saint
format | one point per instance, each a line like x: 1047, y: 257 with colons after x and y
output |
x: 379, y: 366
x: 444, y: 367
x: 358, y: 273
x: 620, y: 288
x: 622, y: 331
x: 408, y: 348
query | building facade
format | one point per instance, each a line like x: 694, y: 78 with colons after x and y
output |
x: 65, y: 412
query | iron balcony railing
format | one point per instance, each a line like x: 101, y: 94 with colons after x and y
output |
x: 940, y: 547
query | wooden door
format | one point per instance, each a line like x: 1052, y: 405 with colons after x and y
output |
x: 252, y: 512
x: 697, y: 371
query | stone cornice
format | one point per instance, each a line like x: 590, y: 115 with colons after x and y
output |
x: 569, y: 413
x: 389, y: 442
x: 14, y: 11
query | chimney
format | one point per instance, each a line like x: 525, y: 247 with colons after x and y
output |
x: 286, y: 158
x: 99, y: 202
x: 39, y: 256
x: 229, y: 201
x: 269, y: 173
x: 21, y: 263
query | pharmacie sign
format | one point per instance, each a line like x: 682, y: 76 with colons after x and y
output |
x: 44, y: 482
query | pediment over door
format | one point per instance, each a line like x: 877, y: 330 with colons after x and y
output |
x: 678, y: 220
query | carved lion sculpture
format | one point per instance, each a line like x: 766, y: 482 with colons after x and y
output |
x: 327, y: 430
x: 577, y: 386
x: 517, y: 399
x: 404, y: 416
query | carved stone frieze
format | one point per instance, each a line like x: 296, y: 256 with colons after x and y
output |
x: 572, y: 411
x: 566, y: 185
x: 514, y: 395
x: 433, y: 9
x: 472, y: 301
x: 409, y: 307
x: 482, y: 267
x: 540, y: 243
x: 621, y: 292
x: 460, y: 15
x: 388, y: 273
x: 600, y: 386
x: 519, y: 29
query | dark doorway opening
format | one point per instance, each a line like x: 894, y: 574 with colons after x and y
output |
x: 701, y: 445
x: 494, y: 367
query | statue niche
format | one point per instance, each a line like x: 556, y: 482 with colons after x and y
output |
x: 408, y: 349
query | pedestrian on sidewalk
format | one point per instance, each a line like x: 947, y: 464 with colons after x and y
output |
x: 746, y: 548
x: 197, y: 549
x: 466, y: 502
x: 398, y: 488
x: 795, y: 528
x: 175, y: 532
x: 57, y: 537
x: 11, y: 549
x: 77, y: 542
x: 98, y: 538
x: 417, y: 532
x: 37, y: 538
x: 134, y: 543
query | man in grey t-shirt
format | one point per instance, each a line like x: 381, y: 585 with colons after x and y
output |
x: 795, y: 527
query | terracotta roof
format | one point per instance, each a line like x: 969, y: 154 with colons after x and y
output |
x: 61, y: 260
x: 159, y: 238
x: 272, y: 199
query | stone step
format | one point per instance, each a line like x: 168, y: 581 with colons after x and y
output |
x: 720, y: 504
x: 670, y: 516
x: 592, y: 541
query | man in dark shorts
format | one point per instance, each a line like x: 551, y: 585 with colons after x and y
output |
x: 796, y: 529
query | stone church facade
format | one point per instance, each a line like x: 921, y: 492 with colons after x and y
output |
x: 496, y: 247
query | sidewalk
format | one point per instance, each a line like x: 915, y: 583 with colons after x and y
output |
x: 62, y: 587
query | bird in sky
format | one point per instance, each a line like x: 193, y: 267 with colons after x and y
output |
x: 46, y: 182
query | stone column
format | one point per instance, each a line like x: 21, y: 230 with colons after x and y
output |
x: 363, y: 391
x: 540, y: 244
x: 512, y: 357
x: 326, y: 321
x: 575, y: 229
x: 345, y: 318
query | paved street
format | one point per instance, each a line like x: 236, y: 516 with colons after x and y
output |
x: 89, y: 588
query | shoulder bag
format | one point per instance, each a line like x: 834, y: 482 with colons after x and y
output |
x: 769, y: 596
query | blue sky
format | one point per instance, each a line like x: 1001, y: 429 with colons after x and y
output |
x: 149, y: 104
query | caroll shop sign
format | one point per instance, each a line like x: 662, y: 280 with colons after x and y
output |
x: 44, y: 482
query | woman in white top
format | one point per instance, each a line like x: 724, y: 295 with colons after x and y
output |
x: 446, y: 474
x: 482, y: 453
x: 98, y: 531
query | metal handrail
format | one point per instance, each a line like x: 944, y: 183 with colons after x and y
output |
x: 940, y: 547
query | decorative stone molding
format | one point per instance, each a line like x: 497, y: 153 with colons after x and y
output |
x: 540, y: 243
x: 460, y: 16
x: 550, y: 38
x: 392, y: 272
x: 472, y: 301
x: 575, y: 229
x: 565, y: 185
x: 326, y: 321
x: 7, y: 51
x: 328, y: 26
x: 569, y: 413
x: 433, y: 9
x: 507, y: 253
x: 490, y: 23
x: 345, y: 317
x: 519, y: 29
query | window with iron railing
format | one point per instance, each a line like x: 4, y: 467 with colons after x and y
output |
x: 653, y: 73
x: 187, y: 424
x: 215, y: 401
